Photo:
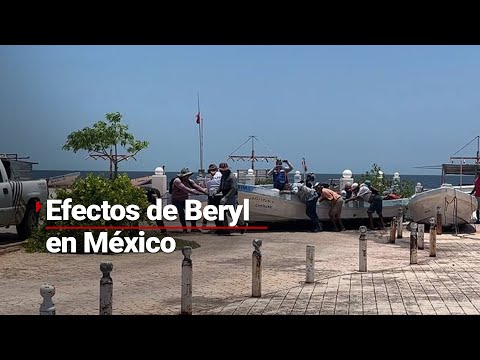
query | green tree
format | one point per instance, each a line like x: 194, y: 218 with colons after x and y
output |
x: 405, y: 188
x: 374, y: 175
x: 105, y: 138
x: 88, y: 191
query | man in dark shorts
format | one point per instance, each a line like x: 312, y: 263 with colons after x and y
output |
x: 376, y: 204
x: 370, y: 194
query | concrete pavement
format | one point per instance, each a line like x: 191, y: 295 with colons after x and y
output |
x: 150, y: 283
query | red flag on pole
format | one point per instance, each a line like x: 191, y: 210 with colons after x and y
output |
x: 197, y: 118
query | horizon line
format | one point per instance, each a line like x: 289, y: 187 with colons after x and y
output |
x: 172, y: 171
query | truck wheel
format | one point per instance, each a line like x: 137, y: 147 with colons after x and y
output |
x: 29, y: 222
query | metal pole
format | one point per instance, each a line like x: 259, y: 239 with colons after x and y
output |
x: 400, y: 224
x: 439, y: 221
x: 187, y: 267
x: 257, y: 269
x: 200, y: 133
x: 310, y: 268
x: 393, y: 230
x: 413, y: 243
x: 421, y: 236
x: 362, y: 253
x: 433, y: 238
x: 253, y: 154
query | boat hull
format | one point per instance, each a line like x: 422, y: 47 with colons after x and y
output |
x: 63, y: 180
x: 268, y: 205
x: 456, y: 206
x: 144, y: 180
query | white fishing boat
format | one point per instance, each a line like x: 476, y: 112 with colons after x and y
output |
x: 455, y: 203
x: 63, y: 181
x: 456, y: 206
x: 271, y: 205
x: 465, y: 188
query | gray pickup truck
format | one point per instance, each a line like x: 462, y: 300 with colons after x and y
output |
x: 18, y: 200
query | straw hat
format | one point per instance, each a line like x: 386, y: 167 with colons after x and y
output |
x: 184, y: 172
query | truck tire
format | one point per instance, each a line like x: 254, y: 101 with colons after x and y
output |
x: 29, y: 222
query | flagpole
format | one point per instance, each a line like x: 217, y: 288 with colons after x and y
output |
x: 304, y: 165
x: 200, y: 134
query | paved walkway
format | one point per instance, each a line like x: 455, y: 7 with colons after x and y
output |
x: 449, y: 284
x: 150, y: 283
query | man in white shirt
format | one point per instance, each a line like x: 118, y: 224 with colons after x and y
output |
x: 309, y: 197
x: 376, y: 202
x: 213, y: 183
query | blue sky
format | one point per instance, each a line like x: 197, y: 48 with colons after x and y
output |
x: 337, y: 106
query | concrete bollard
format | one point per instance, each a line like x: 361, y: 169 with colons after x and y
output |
x: 393, y: 230
x: 433, y: 237
x: 47, y: 307
x: 187, y: 267
x: 362, y: 253
x: 400, y: 224
x: 257, y: 269
x: 159, y: 180
x: 413, y: 244
x: 106, y: 289
x: 310, y: 276
x: 439, y: 221
x: 250, y: 177
x: 421, y: 236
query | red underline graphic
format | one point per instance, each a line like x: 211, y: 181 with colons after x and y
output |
x: 86, y: 227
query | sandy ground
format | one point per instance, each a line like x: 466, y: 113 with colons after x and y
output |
x: 151, y: 283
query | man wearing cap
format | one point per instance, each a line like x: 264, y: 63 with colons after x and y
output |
x: 368, y: 194
x: 182, y: 186
x: 310, y: 180
x: 280, y: 174
x: 229, y: 191
x: 309, y: 197
x: 336, y: 204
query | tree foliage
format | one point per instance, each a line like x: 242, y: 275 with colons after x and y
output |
x: 405, y: 188
x: 88, y: 191
x: 105, y: 138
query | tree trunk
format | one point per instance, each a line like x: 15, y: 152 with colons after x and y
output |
x: 115, y: 162
x: 111, y: 169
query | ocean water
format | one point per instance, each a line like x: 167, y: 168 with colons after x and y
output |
x: 428, y: 181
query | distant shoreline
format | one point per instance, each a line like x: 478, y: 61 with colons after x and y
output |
x: 428, y: 181
x: 195, y: 172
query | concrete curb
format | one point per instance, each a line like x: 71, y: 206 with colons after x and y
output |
x: 11, y: 247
